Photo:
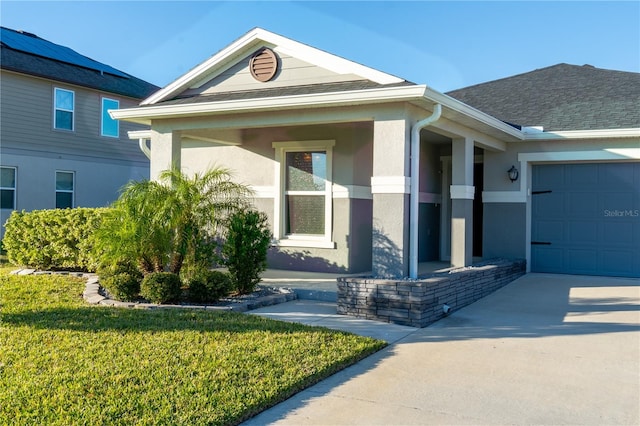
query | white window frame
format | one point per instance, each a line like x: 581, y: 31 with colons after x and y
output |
x: 72, y: 110
x: 14, y: 188
x: 66, y: 191
x: 292, y: 240
x: 102, y: 121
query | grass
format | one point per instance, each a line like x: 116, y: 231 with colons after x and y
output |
x: 63, y: 362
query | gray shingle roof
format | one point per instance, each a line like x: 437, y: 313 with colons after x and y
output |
x: 26, y: 62
x: 560, y: 97
x: 284, y: 91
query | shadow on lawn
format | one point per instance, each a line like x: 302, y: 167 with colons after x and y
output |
x: 94, y: 319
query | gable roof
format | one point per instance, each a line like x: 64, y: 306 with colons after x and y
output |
x: 560, y: 97
x: 27, y: 53
x: 258, y: 38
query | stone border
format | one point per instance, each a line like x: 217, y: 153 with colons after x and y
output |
x: 421, y: 302
x: 92, y: 296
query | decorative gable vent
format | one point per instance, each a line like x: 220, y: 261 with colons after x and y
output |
x: 263, y: 65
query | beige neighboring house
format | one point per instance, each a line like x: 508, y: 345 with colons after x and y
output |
x: 59, y: 147
x: 359, y: 170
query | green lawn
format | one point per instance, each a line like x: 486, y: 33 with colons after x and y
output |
x: 64, y: 362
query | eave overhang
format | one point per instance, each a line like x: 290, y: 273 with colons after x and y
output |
x: 419, y: 95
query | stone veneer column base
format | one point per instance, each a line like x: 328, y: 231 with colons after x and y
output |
x: 420, y: 302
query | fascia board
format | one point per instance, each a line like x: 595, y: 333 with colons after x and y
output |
x: 282, y: 44
x: 585, y: 134
x: 464, y: 109
x: 146, y: 114
x: 185, y: 80
x: 327, y: 60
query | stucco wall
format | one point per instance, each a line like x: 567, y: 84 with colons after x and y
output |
x: 253, y: 163
x: 504, y: 226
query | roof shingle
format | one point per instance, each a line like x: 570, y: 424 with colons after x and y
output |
x: 560, y: 97
x: 46, y: 67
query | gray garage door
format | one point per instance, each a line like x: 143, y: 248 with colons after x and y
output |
x: 586, y: 219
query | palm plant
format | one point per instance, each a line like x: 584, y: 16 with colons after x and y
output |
x: 161, y: 224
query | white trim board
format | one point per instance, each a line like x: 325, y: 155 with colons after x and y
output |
x: 390, y: 185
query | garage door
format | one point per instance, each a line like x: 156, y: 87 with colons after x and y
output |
x: 586, y: 219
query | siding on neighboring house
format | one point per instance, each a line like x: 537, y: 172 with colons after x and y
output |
x: 35, y: 152
x: 26, y: 113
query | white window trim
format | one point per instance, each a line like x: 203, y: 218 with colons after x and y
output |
x: 102, y: 110
x: 282, y: 240
x: 66, y: 191
x: 14, y: 188
x: 72, y: 111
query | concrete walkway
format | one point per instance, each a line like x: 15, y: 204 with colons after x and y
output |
x: 546, y: 349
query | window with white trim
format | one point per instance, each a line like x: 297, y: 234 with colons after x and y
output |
x: 65, y: 183
x: 7, y: 188
x: 303, y: 205
x: 63, y: 107
x: 110, y: 127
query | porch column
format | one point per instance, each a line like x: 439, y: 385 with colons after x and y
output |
x: 165, y: 152
x: 390, y: 189
x: 462, y: 193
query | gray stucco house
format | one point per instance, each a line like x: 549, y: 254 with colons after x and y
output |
x: 360, y: 170
x: 58, y: 145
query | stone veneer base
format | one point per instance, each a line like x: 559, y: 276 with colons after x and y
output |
x: 420, y: 302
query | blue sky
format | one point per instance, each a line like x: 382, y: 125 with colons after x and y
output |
x: 446, y: 45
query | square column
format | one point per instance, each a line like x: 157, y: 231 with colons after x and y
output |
x: 462, y: 194
x: 390, y: 187
x: 165, y: 152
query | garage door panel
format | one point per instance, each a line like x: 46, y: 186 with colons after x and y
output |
x: 614, y: 204
x: 617, y: 262
x: 550, y: 205
x: 584, y: 232
x: 617, y: 234
x: 581, y: 174
x: 586, y: 219
x: 584, y: 261
x: 612, y: 175
x: 548, y: 230
x: 579, y: 204
x: 548, y: 175
x: 547, y: 259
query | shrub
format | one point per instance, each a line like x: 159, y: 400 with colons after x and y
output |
x: 53, y: 239
x: 121, y: 279
x: 163, y: 224
x: 160, y: 287
x: 122, y: 286
x: 245, y: 249
x: 209, y: 286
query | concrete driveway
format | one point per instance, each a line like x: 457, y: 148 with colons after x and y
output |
x: 546, y: 349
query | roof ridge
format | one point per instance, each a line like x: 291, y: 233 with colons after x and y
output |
x: 537, y: 70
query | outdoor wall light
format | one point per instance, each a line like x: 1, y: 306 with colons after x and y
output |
x: 513, y: 173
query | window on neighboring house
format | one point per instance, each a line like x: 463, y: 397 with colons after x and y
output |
x: 64, y: 189
x: 110, y: 126
x: 63, y: 109
x: 304, y: 202
x: 8, y: 188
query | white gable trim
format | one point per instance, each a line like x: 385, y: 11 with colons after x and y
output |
x: 144, y: 115
x: 257, y: 37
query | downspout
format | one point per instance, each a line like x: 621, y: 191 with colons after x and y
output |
x: 414, y: 198
x: 142, y: 143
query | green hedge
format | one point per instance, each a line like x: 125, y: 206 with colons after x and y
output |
x: 52, y: 239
